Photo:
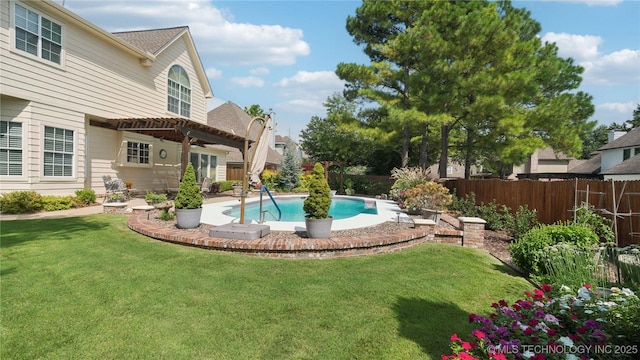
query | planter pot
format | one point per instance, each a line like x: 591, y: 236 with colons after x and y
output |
x: 431, y: 214
x: 318, y: 228
x: 237, y: 190
x: 188, y: 218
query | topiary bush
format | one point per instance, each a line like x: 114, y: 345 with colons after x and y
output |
x: 528, y: 251
x: 20, y: 202
x: 317, y: 204
x: 188, y: 196
x: 85, y: 197
x: 53, y: 203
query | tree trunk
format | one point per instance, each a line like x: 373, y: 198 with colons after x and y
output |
x: 423, y: 147
x: 467, y: 158
x: 406, y: 137
x: 444, y: 151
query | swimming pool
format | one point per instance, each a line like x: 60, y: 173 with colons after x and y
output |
x: 222, y: 213
x: 292, y: 208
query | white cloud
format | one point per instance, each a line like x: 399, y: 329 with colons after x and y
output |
x: 624, y: 108
x: 213, y: 73
x: 578, y: 47
x: 616, y: 68
x: 248, y: 81
x: 591, y: 2
x: 308, y: 91
x: 259, y: 71
x: 214, y: 30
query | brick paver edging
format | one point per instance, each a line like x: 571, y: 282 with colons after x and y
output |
x: 287, y: 248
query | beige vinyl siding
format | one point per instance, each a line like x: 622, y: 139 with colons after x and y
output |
x: 95, y: 77
x: 34, y: 117
x: 19, y: 111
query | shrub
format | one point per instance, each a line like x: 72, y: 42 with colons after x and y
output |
x: 406, y: 178
x: 270, y: 178
x: 496, y: 216
x: 20, y: 202
x: 522, y: 221
x: 305, y: 181
x: 527, y: 252
x: 154, y: 198
x: 85, y: 197
x: 317, y: 204
x: 188, y: 196
x: 428, y: 195
x: 465, y: 206
x: 53, y: 203
x: 586, y: 215
x: 566, y: 264
x: 167, y: 215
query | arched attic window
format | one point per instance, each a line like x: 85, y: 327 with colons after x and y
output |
x: 179, y: 91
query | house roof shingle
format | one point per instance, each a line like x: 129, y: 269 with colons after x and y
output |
x: 630, y: 139
x: 230, y: 118
x: 590, y: 166
x: 153, y: 40
x: 629, y: 166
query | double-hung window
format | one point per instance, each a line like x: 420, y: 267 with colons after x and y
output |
x: 137, y: 152
x: 10, y: 148
x: 37, y: 35
x: 179, y: 91
x: 58, y: 152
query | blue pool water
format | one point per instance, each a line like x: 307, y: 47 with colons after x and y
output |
x: 292, y: 208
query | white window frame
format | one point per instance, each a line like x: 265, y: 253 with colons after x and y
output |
x: 57, y: 154
x: 178, y: 91
x: 35, y: 28
x: 12, y: 146
x: 138, y: 153
x: 210, y: 171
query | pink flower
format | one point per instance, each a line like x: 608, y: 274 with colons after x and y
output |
x: 467, y: 346
x: 546, y: 287
x: 455, y: 337
x: 479, y: 334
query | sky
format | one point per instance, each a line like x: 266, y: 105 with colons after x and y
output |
x: 282, y: 55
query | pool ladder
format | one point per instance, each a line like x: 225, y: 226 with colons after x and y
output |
x: 263, y: 213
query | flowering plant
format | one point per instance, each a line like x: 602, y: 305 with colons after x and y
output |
x: 567, y: 326
x: 128, y: 184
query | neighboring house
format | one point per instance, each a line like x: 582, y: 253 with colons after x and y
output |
x: 282, y: 143
x: 231, y: 118
x: 620, y: 157
x: 543, y: 161
x: 79, y: 102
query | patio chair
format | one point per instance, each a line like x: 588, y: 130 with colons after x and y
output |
x: 173, y: 184
x: 114, y: 186
x: 205, y: 188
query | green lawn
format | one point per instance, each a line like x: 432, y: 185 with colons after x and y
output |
x: 89, y: 288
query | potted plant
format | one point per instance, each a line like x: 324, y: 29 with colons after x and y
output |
x: 128, y: 184
x: 188, y: 202
x: 349, y: 187
x: 429, y: 197
x: 236, y: 186
x: 317, y: 204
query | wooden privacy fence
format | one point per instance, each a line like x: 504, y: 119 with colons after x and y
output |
x: 555, y: 200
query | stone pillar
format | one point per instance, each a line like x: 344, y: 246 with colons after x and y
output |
x: 473, y: 232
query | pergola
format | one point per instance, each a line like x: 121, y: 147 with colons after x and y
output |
x: 184, y: 131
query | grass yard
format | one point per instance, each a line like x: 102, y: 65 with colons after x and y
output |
x: 89, y: 288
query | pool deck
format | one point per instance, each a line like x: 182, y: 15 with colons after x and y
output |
x: 212, y: 214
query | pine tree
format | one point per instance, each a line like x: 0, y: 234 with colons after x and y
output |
x: 290, y: 172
